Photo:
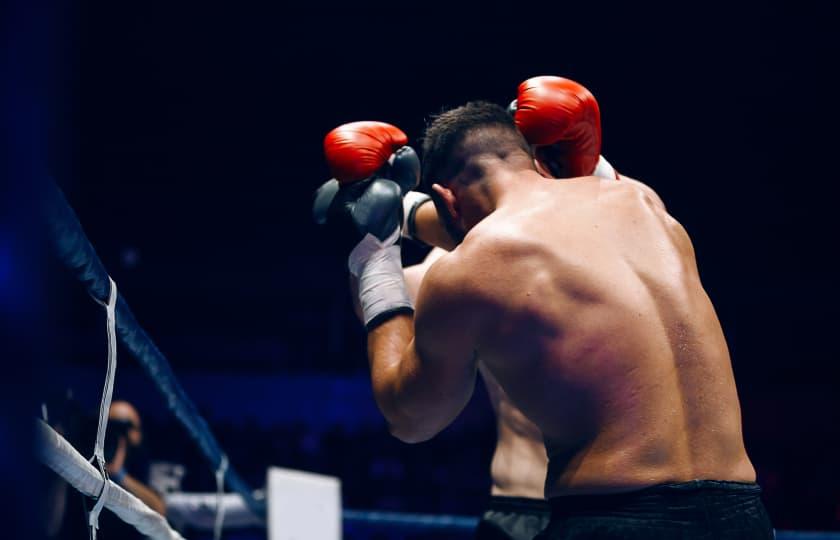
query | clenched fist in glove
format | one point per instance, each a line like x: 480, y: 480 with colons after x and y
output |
x: 561, y: 120
x: 362, y: 209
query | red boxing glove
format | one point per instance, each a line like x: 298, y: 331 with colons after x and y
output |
x: 357, y: 150
x: 561, y: 119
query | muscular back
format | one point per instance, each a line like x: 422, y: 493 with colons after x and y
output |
x: 594, y: 321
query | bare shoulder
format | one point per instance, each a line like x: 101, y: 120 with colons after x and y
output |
x: 447, y: 279
x: 414, y: 274
x: 678, y: 233
x: 450, y: 307
x: 457, y: 281
x: 645, y: 189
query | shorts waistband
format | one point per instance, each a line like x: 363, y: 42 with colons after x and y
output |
x: 683, y: 498
x: 692, y: 485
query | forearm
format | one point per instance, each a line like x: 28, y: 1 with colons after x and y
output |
x: 387, y: 344
x: 144, y: 493
x: 429, y: 229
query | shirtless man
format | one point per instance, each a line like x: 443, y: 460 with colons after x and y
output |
x: 582, y: 299
x: 560, y: 119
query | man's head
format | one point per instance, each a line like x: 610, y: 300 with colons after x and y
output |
x: 126, y: 422
x: 460, y: 148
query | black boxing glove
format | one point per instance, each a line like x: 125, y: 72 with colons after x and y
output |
x: 403, y: 168
x: 362, y: 210
x: 365, y: 219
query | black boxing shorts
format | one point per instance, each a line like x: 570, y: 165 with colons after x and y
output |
x: 701, y: 509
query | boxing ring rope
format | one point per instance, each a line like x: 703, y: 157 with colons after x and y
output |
x: 436, y: 522
x: 60, y: 456
x: 76, y: 253
x: 197, y: 510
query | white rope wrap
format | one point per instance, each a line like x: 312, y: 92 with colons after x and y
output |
x: 377, y: 267
x: 105, y: 403
x: 60, y: 456
x: 220, y: 493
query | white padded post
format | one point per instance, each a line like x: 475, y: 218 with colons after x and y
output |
x: 303, y: 506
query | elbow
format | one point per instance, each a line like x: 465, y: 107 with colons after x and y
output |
x: 409, y: 422
x: 417, y: 424
x: 404, y: 424
x: 412, y: 432
x: 410, y: 436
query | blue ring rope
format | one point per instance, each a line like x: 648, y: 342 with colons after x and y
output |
x: 416, y: 521
x: 467, y: 524
x: 76, y: 253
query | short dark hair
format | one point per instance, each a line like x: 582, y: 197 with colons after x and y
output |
x: 448, y: 129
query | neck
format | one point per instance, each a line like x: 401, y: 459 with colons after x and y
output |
x: 491, y: 182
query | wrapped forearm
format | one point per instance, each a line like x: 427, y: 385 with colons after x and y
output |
x: 376, y: 268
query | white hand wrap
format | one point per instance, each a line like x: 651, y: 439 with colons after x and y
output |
x: 604, y: 170
x: 411, y: 202
x: 377, y: 268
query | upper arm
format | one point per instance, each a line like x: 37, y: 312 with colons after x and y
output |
x: 677, y: 231
x: 453, y: 300
x: 414, y: 274
x: 439, y: 367
x: 446, y: 318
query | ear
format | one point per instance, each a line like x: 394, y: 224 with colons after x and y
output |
x: 449, y: 200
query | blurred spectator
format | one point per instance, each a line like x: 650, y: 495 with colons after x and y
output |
x: 125, y: 455
x: 66, y: 514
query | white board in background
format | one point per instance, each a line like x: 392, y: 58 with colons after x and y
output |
x: 303, y: 506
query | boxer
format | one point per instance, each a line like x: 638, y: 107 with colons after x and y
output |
x: 560, y: 119
x: 582, y: 299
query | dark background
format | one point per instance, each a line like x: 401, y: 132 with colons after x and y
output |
x: 187, y: 136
